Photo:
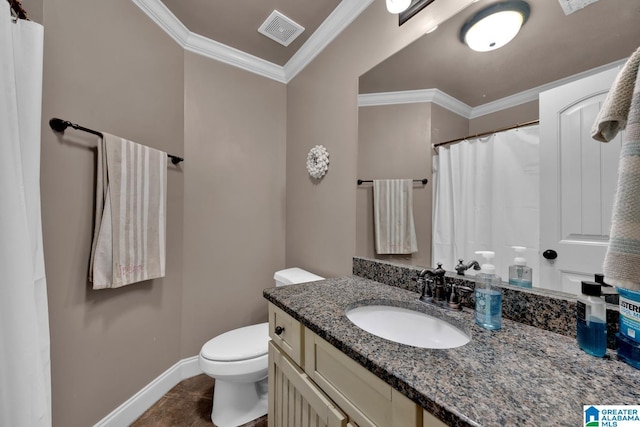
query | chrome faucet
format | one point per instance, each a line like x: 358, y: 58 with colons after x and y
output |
x: 437, y: 291
x: 461, y: 267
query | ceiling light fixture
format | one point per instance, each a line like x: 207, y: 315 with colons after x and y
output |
x: 397, y: 6
x: 495, y: 25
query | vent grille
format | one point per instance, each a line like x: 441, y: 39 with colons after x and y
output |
x: 280, y: 28
x: 570, y: 6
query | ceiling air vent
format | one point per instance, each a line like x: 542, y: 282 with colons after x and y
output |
x: 570, y: 6
x: 280, y: 28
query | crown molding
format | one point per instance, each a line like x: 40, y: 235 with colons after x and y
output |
x: 415, y: 96
x: 456, y: 106
x: 338, y: 20
x: 341, y: 17
x: 165, y: 19
x: 534, y: 93
x: 234, y: 57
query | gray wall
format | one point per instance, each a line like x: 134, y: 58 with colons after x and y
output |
x: 235, y: 141
x: 109, y: 67
x: 519, y: 114
x: 322, y: 109
x: 394, y: 143
x: 34, y: 9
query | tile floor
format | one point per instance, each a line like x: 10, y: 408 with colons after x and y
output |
x: 186, y: 405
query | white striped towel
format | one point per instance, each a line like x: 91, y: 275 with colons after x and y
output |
x: 622, y: 109
x: 395, y: 232
x: 129, y: 235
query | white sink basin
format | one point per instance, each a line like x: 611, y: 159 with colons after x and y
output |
x: 407, y: 326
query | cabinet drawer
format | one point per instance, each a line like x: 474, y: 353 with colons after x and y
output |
x: 287, y: 333
x: 366, y: 399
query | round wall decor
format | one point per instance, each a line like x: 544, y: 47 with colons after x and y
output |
x: 318, y: 161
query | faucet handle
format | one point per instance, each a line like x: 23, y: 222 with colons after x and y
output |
x: 461, y: 288
x: 423, y: 272
x: 427, y: 294
x: 460, y: 268
x: 454, y: 298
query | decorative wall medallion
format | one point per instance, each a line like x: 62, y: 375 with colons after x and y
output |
x: 318, y: 161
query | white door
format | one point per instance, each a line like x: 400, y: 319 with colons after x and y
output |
x: 578, y: 176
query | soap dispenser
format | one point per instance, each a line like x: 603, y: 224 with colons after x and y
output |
x: 519, y: 273
x: 488, y: 295
x: 591, y: 320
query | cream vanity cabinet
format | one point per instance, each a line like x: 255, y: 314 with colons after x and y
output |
x: 311, y: 383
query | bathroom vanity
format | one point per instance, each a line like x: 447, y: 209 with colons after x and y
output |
x: 325, y: 369
x: 312, y: 383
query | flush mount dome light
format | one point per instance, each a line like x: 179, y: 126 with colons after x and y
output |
x: 495, y: 25
x: 397, y: 6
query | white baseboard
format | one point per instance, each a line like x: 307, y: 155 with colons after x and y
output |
x: 133, y: 408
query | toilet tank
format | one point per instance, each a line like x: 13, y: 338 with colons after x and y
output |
x: 292, y: 276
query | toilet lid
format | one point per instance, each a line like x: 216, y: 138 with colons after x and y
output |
x: 238, y: 344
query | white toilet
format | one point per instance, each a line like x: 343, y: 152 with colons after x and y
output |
x: 238, y: 361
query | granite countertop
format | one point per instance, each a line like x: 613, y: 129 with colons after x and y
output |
x: 517, y: 376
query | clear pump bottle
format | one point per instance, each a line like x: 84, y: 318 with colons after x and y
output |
x: 488, y: 295
x: 519, y: 273
x: 591, y: 320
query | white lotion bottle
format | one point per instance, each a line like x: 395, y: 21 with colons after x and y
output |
x: 519, y: 273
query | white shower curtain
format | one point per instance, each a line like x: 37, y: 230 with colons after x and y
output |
x: 25, y: 380
x: 487, y: 197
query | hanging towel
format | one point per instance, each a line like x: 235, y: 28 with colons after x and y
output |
x: 129, y: 235
x: 393, y: 216
x: 622, y: 109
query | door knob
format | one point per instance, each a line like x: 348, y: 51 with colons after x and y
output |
x: 550, y: 254
x: 279, y: 330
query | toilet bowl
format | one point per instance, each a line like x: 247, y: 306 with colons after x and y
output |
x: 238, y: 361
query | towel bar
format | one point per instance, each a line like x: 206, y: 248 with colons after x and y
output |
x: 60, y: 125
x: 423, y: 181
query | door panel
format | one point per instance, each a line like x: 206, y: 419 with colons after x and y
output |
x: 578, y: 176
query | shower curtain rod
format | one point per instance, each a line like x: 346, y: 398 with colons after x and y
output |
x: 520, y: 125
x: 423, y: 181
x: 17, y: 8
x: 60, y: 125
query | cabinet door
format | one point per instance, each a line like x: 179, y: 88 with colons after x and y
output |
x: 294, y: 401
x: 429, y: 420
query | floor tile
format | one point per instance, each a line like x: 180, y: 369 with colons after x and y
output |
x: 188, y: 404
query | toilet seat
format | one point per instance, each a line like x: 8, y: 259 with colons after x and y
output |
x: 239, y: 354
x: 240, y: 344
